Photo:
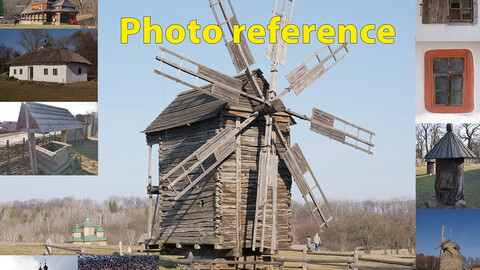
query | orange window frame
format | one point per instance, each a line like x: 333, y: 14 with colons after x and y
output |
x: 468, y: 95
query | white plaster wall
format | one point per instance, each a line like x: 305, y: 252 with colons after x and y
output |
x: 38, y: 73
x: 23, y: 76
x: 446, y: 32
x: 424, y: 116
x: 72, y: 73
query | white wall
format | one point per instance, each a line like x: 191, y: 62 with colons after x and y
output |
x: 424, y: 116
x: 65, y: 73
x: 447, y: 32
x: 72, y: 73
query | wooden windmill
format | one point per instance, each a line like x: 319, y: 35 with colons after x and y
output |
x: 450, y: 256
x: 225, y: 158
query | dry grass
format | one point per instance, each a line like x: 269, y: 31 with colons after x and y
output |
x: 43, y: 91
x: 7, y: 248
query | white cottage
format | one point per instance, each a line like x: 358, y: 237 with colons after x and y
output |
x: 447, y: 61
x: 54, y: 65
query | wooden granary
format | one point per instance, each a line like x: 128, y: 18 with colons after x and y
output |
x: 226, y: 162
x: 450, y: 154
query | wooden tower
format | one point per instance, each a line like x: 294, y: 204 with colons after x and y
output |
x: 225, y: 158
x: 450, y: 154
x: 450, y: 256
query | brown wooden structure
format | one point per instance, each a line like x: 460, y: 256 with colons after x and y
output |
x: 49, y: 12
x: 449, y: 154
x: 51, y: 158
x: 450, y: 258
x: 225, y: 158
x: 430, y: 166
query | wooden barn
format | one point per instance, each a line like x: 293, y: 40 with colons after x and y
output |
x: 219, y: 211
x: 450, y: 154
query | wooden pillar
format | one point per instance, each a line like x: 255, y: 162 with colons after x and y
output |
x: 64, y: 136
x: 355, y: 260
x: 150, y: 199
x: 304, y: 258
x: 31, y: 147
x: 238, y: 190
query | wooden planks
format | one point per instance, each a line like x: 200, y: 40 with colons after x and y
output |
x: 45, y: 118
x: 301, y: 77
x: 325, y: 124
x: 277, y: 52
x: 435, y: 11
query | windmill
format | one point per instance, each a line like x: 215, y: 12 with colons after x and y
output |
x: 450, y: 256
x: 254, y: 106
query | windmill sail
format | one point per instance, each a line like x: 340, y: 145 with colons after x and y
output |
x: 277, y: 52
x: 325, y: 124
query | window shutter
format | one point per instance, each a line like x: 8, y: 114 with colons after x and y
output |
x: 435, y: 11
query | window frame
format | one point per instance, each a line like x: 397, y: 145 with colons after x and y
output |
x: 45, y: 71
x: 468, y: 81
x: 461, y: 20
x: 20, y: 71
x: 79, y: 71
x: 55, y: 72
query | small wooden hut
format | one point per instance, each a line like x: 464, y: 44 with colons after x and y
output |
x: 53, y: 157
x: 450, y: 154
x: 217, y: 215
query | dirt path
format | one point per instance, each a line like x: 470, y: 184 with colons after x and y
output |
x: 16, y: 138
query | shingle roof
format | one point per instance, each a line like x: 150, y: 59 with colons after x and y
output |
x: 45, y: 118
x: 192, y: 106
x: 66, y: 5
x: 51, y: 56
x: 450, y: 146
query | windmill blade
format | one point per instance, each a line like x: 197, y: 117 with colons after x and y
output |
x: 219, y: 147
x: 239, y: 52
x: 302, y: 77
x: 241, y: 55
x: 298, y: 167
x: 277, y: 52
x: 442, y: 243
x: 223, y: 86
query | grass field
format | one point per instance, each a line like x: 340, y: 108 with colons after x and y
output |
x: 42, y: 91
x: 425, y: 186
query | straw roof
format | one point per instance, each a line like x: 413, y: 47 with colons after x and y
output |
x: 51, y: 56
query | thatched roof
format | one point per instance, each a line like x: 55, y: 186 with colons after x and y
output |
x: 52, y: 56
x: 450, y: 146
x: 45, y: 118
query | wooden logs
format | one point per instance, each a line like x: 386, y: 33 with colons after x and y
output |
x: 449, y: 180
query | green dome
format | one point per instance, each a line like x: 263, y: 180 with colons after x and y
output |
x: 76, y: 230
x: 99, y: 229
x: 87, y: 224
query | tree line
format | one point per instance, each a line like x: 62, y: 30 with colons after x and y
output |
x: 428, y: 135
x: 85, y: 43
x: 387, y: 225
x: 372, y: 224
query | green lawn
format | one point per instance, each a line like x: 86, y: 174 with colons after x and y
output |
x: 425, y: 186
x: 85, y: 158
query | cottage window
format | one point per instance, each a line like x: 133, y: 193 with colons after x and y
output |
x: 45, y: 71
x: 20, y: 71
x: 79, y: 71
x: 461, y: 10
x: 447, y: 11
x: 55, y: 72
x: 15, y: 72
x: 449, y: 81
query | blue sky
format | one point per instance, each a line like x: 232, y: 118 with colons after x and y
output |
x: 33, y: 262
x: 462, y: 228
x: 373, y: 87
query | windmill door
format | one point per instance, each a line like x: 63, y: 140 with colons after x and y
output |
x: 30, y: 73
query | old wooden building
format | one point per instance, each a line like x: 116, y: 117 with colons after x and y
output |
x: 450, y: 154
x: 211, y: 214
x: 55, y: 12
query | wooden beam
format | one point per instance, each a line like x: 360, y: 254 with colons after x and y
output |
x: 238, y: 190
x: 150, y: 199
x: 64, y: 136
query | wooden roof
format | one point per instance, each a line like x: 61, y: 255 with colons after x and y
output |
x: 450, y: 146
x: 45, y: 118
x: 52, y: 56
x: 192, y: 106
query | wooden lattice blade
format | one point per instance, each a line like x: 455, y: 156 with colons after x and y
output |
x: 277, y: 52
x: 351, y: 135
x: 302, y: 77
x: 298, y: 167
x: 219, y: 147
x: 239, y: 52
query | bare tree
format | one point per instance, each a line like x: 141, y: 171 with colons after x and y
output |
x: 468, y: 132
x: 6, y: 54
x: 32, y: 40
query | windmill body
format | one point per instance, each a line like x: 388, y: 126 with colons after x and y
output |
x: 225, y: 158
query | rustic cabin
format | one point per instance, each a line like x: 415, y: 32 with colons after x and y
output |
x: 218, y: 212
x: 53, y: 157
x: 54, y: 12
x: 449, y: 154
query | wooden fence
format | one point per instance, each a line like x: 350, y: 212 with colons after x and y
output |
x: 81, y: 250
x: 353, y: 262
